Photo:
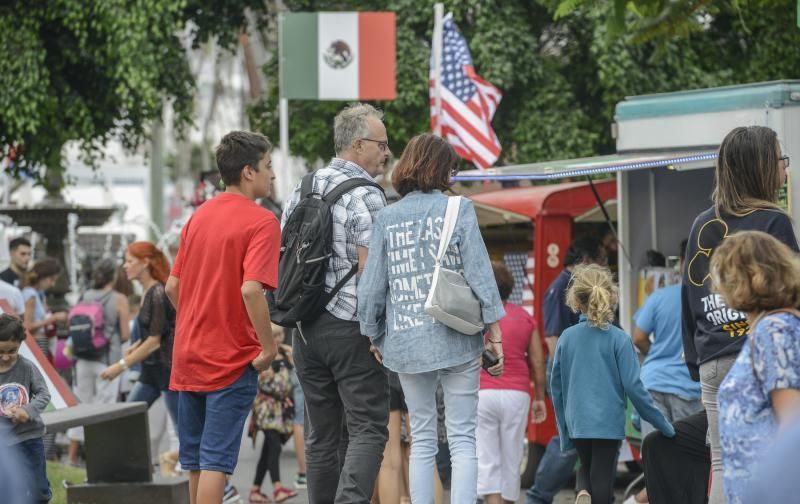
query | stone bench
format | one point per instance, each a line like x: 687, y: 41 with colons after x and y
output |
x: 118, y: 458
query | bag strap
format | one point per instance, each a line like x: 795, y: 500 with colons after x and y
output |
x: 307, y: 185
x: 347, y: 186
x: 330, y: 199
x: 449, y: 225
x: 341, y: 283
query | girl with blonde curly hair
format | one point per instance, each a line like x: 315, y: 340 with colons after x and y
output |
x: 595, y: 369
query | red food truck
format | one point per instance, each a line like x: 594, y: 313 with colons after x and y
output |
x: 531, y: 228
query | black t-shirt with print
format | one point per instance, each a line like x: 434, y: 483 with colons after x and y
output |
x: 710, y: 328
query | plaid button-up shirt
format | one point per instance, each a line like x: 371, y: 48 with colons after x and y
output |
x: 353, y: 215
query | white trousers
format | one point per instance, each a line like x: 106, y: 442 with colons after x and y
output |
x: 500, y: 435
x: 91, y: 389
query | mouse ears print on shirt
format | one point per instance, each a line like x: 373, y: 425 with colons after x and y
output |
x: 710, y: 235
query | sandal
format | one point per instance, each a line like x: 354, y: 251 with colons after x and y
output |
x: 283, y: 493
x: 256, y: 497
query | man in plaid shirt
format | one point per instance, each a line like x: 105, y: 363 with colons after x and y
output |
x: 346, y: 389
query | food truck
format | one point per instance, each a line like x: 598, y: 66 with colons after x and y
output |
x: 666, y: 149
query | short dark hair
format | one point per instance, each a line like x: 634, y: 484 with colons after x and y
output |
x: 655, y: 259
x: 103, y: 273
x: 238, y: 149
x: 11, y: 328
x: 427, y: 163
x: 504, y: 279
x: 585, y: 246
x: 18, y: 242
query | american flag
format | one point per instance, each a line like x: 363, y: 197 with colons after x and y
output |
x: 468, y: 102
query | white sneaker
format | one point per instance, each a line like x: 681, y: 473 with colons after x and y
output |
x: 632, y: 500
x: 583, y: 498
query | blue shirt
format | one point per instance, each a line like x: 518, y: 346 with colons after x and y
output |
x: 398, y: 275
x: 776, y: 480
x: 557, y: 315
x: 593, y: 372
x: 664, y: 369
x: 747, y: 422
x: 39, y: 312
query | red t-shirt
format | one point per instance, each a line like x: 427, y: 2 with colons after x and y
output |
x: 517, y: 327
x: 228, y: 240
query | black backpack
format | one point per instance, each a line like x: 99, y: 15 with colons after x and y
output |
x: 306, y: 248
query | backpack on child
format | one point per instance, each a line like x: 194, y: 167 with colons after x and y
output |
x: 306, y: 248
x: 87, y: 329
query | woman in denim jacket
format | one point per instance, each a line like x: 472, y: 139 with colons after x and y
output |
x: 391, y: 296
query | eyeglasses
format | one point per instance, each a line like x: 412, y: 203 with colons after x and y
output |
x: 383, y: 146
x: 785, y: 160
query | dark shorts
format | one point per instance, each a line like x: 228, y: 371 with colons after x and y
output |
x: 210, y: 424
x: 397, y: 401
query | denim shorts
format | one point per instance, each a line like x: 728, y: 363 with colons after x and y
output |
x: 210, y: 424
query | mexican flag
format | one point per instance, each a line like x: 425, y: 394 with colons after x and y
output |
x: 338, y: 56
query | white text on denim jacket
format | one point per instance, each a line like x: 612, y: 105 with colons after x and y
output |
x: 411, y: 263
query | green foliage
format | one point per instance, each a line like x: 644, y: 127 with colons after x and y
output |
x: 88, y: 70
x: 85, y: 71
x: 648, y: 19
x: 561, y: 78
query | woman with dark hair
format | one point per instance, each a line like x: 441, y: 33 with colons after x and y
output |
x: 89, y: 386
x: 503, y: 401
x: 423, y: 351
x: 147, y: 265
x: 37, y: 317
x: 749, y: 172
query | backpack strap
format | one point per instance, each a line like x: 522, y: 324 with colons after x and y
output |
x: 347, y: 186
x: 340, y: 284
x: 331, y: 198
x: 307, y: 185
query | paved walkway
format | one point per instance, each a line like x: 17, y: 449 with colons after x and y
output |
x: 248, y: 458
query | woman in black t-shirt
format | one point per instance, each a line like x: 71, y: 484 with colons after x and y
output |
x: 749, y: 173
x: 147, y: 265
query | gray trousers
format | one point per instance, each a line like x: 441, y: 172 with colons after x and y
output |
x: 711, y: 375
x: 673, y: 406
x: 347, y: 410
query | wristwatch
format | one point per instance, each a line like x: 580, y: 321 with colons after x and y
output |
x: 122, y: 363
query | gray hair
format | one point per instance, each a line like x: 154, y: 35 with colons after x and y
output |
x: 351, y: 124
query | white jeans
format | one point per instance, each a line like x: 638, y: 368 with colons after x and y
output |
x: 91, y: 389
x: 460, y: 386
x: 502, y: 419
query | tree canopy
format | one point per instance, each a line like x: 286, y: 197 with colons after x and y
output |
x: 86, y: 71
x: 561, y: 70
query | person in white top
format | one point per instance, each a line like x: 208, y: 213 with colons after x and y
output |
x: 13, y: 297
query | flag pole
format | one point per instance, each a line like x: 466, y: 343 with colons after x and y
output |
x: 438, y: 15
x: 283, y: 112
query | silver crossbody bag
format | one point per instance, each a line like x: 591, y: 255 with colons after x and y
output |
x: 451, y: 300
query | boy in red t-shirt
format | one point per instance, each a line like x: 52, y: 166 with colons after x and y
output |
x: 228, y: 255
